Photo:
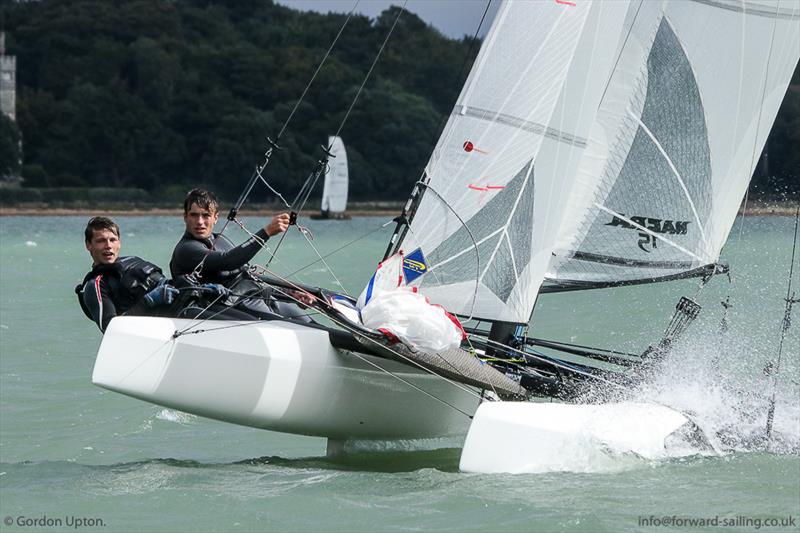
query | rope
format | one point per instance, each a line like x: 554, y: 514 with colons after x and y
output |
x: 258, y: 173
x: 339, y: 283
x: 422, y: 178
x: 308, y: 186
x: 354, y: 331
x: 784, y: 328
x: 558, y: 365
x: 327, y: 54
x: 374, y: 62
x: 340, y: 248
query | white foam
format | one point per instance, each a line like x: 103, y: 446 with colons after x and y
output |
x: 178, y: 417
x: 728, y: 399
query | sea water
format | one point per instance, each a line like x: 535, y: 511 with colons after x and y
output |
x: 76, y: 457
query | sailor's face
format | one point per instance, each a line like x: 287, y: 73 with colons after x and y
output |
x: 200, y: 222
x: 104, y: 247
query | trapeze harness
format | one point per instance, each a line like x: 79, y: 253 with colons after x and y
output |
x: 227, y: 265
x: 128, y: 279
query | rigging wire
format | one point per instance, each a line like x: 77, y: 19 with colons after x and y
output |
x: 308, y: 186
x: 300, y: 100
x: 319, y: 67
x: 558, y: 364
x: 273, y: 144
x: 351, y: 330
x: 727, y: 303
x: 258, y: 173
x: 364, y: 236
x: 371, y: 68
x: 774, y: 369
x: 403, y: 218
x: 327, y: 266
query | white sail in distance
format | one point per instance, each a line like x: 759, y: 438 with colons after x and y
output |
x: 504, y: 166
x: 680, y: 129
x: 334, y: 192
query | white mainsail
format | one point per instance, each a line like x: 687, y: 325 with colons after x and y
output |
x: 678, y: 135
x: 334, y: 193
x: 506, y: 160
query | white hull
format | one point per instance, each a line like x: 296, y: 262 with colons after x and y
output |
x: 553, y: 437
x: 275, y: 375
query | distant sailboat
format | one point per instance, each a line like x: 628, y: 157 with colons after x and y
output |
x: 334, y: 192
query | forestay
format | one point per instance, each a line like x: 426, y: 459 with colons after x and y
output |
x: 334, y: 194
x: 679, y: 131
x: 506, y: 162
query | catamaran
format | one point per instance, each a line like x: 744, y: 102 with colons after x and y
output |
x: 334, y: 188
x: 593, y: 145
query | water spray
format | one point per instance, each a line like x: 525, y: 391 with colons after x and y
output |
x: 773, y: 368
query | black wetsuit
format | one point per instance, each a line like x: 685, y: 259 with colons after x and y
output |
x: 227, y: 264
x: 118, y: 289
x: 224, y: 264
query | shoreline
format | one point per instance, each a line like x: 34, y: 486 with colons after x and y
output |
x: 159, y: 211
x: 782, y: 209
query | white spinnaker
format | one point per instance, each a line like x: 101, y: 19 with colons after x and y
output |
x: 505, y: 160
x: 677, y: 137
x: 334, y: 193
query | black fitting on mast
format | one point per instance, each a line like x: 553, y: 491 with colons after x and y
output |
x: 273, y: 145
x: 505, y: 333
x: 404, y: 219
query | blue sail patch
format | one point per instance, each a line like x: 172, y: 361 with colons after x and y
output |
x: 414, y: 265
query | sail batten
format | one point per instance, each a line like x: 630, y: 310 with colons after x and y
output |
x: 522, y: 124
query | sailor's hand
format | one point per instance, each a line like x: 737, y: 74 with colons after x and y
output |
x: 302, y: 298
x: 278, y: 224
x: 163, y: 294
x: 216, y: 290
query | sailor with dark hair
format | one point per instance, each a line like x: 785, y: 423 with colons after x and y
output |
x: 208, y: 257
x: 119, y: 285
x: 132, y: 286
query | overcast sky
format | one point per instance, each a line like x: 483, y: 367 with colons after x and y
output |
x: 454, y: 18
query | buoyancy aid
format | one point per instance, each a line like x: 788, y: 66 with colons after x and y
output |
x: 129, y: 279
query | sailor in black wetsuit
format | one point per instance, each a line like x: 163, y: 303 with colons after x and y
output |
x: 119, y: 285
x: 205, y: 258
x: 132, y: 286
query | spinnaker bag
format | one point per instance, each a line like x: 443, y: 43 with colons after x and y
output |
x: 406, y: 315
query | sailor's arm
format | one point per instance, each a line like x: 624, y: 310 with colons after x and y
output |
x: 191, y: 252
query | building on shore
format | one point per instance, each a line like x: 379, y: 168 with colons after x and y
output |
x: 8, y: 100
x: 8, y: 81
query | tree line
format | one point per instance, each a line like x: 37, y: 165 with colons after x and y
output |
x: 164, y: 95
